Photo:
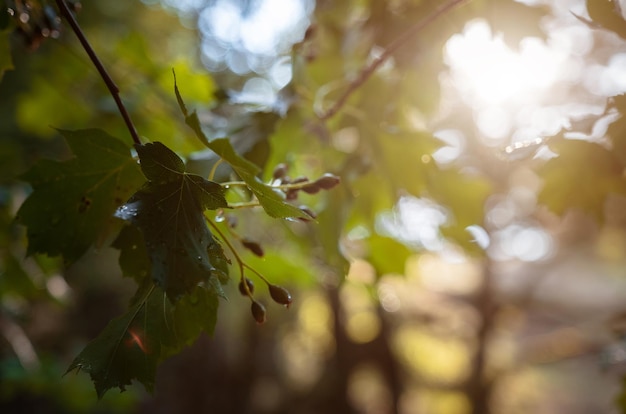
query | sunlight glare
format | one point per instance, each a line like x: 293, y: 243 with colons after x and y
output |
x: 488, y: 73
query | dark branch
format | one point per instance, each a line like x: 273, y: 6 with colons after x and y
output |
x: 367, y: 71
x: 113, y: 89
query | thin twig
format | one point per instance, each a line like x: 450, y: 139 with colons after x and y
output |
x: 368, y: 70
x: 115, y: 92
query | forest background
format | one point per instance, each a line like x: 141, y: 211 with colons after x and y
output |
x: 439, y: 186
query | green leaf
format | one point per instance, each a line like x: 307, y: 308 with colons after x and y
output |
x: 465, y: 196
x: 169, y: 212
x: 581, y: 176
x: 387, y: 255
x: 272, y: 202
x: 6, y: 62
x: 73, y: 201
x: 404, y: 159
x: 131, y: 346
x: 134, y: 260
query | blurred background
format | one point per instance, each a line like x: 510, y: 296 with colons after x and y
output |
x: 465, y: 265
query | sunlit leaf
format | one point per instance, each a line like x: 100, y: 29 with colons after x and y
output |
x: 387, y: 255
x: 404, y: 160
x: 465, y: 198
x: 131, y: 346
x: 169, y: 212
x: 271, y: 201
x: 581, y: 177
x: 72, y: 201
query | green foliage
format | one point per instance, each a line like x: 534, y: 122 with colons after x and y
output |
x: 132, y: 345
x: 73, y: 201
x: 585, y: 187
x: 271, y: 201
x: 169, y: 212
x: 170, y: 247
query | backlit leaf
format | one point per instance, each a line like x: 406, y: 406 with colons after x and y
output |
x: 581, y: 176
x: 272, y: 202
x: 72, y: 201
x: 169, y: 212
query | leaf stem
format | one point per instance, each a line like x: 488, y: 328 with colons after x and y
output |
x: 245, y: 204
x: 113, y: 89
x: 214, y: 168
x: 238, y: 259
x: 368, y: 70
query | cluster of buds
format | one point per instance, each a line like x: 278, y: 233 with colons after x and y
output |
x: 292, y: 187
x: 278, y: 294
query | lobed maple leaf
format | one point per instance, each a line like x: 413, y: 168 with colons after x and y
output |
x: 169, y: 212
x: 131, y: 346
x: 72, y: 201
x: 585, y: 187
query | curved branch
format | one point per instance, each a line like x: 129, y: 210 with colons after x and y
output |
x: 113, y: 89
x: 368, y: 70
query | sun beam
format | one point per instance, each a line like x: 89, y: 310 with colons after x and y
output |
x: 501, y: 85
x: 488, y: 72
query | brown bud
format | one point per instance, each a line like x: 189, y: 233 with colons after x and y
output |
x: 301, y: 179
x: 291, y: 194
x: 280, y: 295
x: 258, y: 312
x: 242, y: 288
x: 280, y: 171
x: 311, y: 188
x: 327, y: 181
x: 253, y: 246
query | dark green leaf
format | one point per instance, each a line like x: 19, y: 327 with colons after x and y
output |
x: 581, y: 176
x: 169, y: 213
x: 72, y: 201
x: 134, y: 259
x: 159, y: 164
x: 131, y: 346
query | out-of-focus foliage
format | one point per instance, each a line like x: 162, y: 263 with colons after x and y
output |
x: 414, y: 287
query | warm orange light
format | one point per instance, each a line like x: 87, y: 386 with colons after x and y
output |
x: 136, y: 339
